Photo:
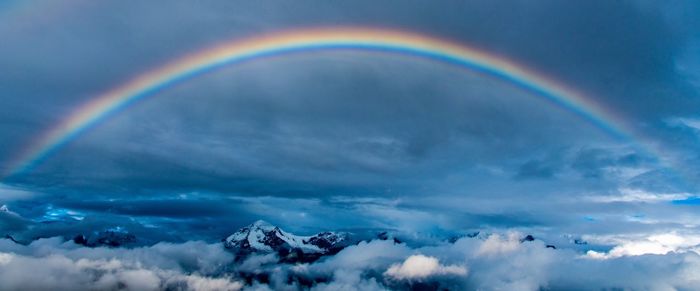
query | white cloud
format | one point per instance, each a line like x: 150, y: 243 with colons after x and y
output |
x: 685, y: 122
x: 638, y: 195
x: 50, y: 264
x: 5, y: 258
x: 496, y: 244
x: 255, y: 263
x: 350, y: 280
x: 659, y: 244
x: 499, y: 262
x: 195, y: 282
x: 421, y: 267
x: 374, y: 255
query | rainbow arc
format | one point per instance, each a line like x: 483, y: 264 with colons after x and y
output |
x: 308, y: 40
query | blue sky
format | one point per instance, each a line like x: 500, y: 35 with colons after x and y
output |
x: 355, y: 140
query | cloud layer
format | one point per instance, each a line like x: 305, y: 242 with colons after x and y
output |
x: 495, y: 262
x: 50, y: 264
x: 515, y: 266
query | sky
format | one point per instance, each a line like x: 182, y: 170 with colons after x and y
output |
x: 358, y: 140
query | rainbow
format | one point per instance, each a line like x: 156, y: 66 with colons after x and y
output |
x: 305, y: 40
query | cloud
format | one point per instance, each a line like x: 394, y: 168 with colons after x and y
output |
x: 365, y: 121
x: 639, y: 196
x: 418, y: 267
x: 691, y: 123
x: 659, y: 244
x: 255, y: 263
x: 57, y: 272
x: 496, y: 244
x: 536, y: 169
x: 9, y: 193
x: 377, y: 265
x: 50, y: 264
x: 509, y: 265
x: 350, y: 280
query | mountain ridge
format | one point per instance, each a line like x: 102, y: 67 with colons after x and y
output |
x: 263, y: 237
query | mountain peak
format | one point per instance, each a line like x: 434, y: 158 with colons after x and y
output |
x: 262, y: 236
x: 262, y: 225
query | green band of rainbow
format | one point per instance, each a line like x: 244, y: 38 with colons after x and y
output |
x: 237, y: 51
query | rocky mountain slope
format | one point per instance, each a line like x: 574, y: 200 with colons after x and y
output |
x: 262, y: 237
x: 107, y: 238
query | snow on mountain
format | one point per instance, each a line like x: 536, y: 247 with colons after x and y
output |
x: 264, y: 237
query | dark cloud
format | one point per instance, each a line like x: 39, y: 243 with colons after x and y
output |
x: 11, y: 222
x: 591, y: 162
x: 535, y: 169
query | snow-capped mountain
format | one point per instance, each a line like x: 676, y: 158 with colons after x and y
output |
x: 264, y: 237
